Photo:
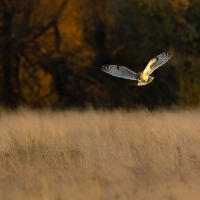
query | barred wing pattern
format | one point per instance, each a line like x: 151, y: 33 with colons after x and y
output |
x: 119, y: 71
x: 156, y: 62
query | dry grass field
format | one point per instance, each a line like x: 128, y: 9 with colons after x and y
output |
x: 73, y: 155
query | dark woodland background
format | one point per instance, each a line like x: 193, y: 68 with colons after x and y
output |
x: 51, y: 52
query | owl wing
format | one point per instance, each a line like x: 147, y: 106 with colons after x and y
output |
x: 156, y: 62
x: 119, y: 71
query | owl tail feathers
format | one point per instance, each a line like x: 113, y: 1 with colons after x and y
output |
x: 150, y: 78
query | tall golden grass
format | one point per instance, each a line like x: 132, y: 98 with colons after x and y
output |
x: 75, y: 155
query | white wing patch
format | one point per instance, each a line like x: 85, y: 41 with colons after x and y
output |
x: 156, y: 62
x: 119, y: 71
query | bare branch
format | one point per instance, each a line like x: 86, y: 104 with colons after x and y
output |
x: 58, y: 38
x: 51, y: 22
x: 62, y: 7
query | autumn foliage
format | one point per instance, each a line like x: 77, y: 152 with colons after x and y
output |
x: 52, y: 52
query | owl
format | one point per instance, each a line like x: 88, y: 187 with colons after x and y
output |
x: 143, y: 78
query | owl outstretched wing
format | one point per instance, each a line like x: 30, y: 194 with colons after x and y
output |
x: 156, y: 62
x: 119, y: 71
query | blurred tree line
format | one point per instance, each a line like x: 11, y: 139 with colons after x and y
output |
x: 52, y: 52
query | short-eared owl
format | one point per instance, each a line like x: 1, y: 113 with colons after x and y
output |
x: 143, y: 78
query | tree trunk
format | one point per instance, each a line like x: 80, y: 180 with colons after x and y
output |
x: 7, y: 57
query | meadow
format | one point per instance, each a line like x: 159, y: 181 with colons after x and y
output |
x: 102, y: 155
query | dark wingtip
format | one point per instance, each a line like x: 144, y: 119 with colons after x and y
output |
x: 104, y: 67
x: 169, y: 53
